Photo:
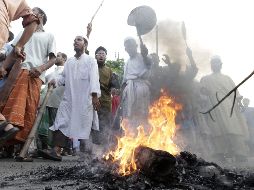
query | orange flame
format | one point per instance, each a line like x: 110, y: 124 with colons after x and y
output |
x: 161, y: 118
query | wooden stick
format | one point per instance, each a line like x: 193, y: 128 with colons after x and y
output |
x: 140, y: 39
x: 227, y: 95
x: 157, y: 39
x: 96, y: 11
x: 184, y: 33
x: 32, y: 133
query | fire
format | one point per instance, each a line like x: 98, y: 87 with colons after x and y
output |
x: 161, y: 118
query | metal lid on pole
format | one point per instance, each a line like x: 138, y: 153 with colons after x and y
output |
x: 143, y: 18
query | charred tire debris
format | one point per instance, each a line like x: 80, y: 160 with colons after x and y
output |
x: 189, y: 172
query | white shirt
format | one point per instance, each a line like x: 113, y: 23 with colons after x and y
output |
x: 37, y: 50
x: 57, y: 93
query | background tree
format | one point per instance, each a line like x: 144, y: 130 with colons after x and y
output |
x: 117, y: 67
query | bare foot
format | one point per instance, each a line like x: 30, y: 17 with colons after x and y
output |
x: 2, y: 118
x: 8, y: 127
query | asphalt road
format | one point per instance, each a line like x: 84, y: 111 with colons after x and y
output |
x: 22, y: 175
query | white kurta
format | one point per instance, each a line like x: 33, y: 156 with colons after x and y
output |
x: 136, y: 95
x: 57, y: 95
x: 76, y: 114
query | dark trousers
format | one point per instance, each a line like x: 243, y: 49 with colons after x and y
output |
x: 102, y: 136
x: 60, y: 140
x: 44, y: 134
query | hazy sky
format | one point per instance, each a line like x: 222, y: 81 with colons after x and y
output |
x: 224, y: 27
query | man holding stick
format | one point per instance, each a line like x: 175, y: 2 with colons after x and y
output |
x: 21, y: 105
x: 136, y: 93
x: 9, y: 11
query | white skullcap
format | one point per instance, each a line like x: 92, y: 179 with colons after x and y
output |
x: 83, y: 37
x: 86, y: 38
x: 129, y: 38
x: 215, y: 59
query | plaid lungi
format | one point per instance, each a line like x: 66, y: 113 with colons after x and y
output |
x: 21, y: 106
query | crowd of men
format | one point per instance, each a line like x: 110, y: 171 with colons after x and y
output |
x: 85, y: 105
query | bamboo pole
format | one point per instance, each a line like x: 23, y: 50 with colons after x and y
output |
x: 32, y: 133
x: 157, y: 39
x: 184, y: 34
x: 96, y: 11
x: 227, y: 95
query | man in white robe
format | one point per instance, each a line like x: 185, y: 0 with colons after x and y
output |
x: 76, y: 113
x: 229, y: 134
x: 136, y: 93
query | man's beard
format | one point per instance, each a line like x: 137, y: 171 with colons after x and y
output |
x: 100, y: 62
x: 76, y: 49
x: 58, y: 63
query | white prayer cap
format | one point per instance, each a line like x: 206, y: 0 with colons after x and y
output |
x: 129, y: 38
x: 85, y: 37
x: 215, y: 59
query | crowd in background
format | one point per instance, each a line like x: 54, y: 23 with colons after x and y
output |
x: 84, y: 111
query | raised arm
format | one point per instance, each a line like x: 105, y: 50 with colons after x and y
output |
x: 144, y: 53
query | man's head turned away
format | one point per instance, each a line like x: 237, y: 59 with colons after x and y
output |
x: 216, y: 64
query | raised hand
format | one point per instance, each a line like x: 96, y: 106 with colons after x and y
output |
x: 166, y: 59
x: 144, y: 50
x: 88, y: 29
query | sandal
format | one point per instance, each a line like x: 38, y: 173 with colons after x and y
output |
x: 50, y: 154
x: 3, y: 124
x: 23, y: 159
x: 7, y: 135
